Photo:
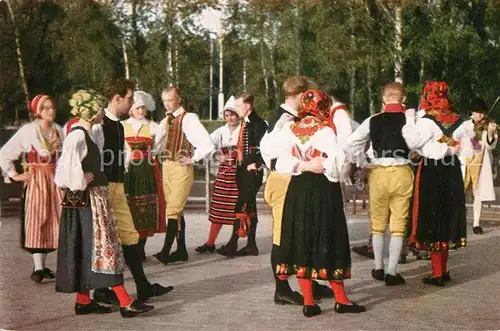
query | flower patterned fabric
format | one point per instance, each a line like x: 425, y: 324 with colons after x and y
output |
x: 86, y: 104
x: 436, y: 104
x: 315, y: 103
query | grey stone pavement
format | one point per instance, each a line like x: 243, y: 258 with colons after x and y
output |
x: 215, y: 293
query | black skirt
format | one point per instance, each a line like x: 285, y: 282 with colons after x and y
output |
x: 314, y: 238
x: 438, y: 220
x: 74, y: 256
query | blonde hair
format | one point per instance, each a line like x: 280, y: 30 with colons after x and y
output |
x: 394, y: 91
x: 176, y: 90
x: 297, y: 84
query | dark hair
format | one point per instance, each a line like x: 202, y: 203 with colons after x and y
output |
x: 478, y: 105
x: 341, y: 95
x: 247, y: 98
x: 118, y: 86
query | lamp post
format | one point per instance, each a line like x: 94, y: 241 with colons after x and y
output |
x: 221, y: 76
x: 210, y: 106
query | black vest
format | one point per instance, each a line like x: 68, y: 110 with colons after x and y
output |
x: 113, y: 153
x: 386, y: 136
x: 92, y: 161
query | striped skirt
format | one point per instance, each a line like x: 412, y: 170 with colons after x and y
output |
x: 225, y: 194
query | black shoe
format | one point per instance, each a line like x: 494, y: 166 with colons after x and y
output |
x: 310, y: 311
x: 47, y: 273
x: 391, y: 280
x: 37, y: 276
x: 154, y: 290
x: 363, y: 251
x: 477, y: 230
x: 354, y: 308
x: 436, y: 281
x: 159, y: 256
x: 378, y: 274
x: 228, y: 251
x: 137, y: 307
x: 205, y: 248
x: 446, y: 277
x: 402, y: 259
x: 91, y: 308
x: 248, y: 251
x: 291, y: 298
x: 321, y: 291
x: 178, y: 257
x: 106, y: 296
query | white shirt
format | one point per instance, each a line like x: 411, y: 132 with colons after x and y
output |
x: 223, y: 137
x: 195, y: 133
x: 356, y: 144
x: 324, y: 140
x: 69, y: 172
x: 343, y: 124
x: 22, y: 141
x: 423, y: 134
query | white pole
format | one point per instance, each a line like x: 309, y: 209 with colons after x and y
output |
x: 221, y: 77
x: 244, y: 75
x: 210, y: 107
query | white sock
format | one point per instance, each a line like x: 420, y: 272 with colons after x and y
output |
x: 44, y: 258
x: 395, y: 248
x: 476, y: 206
x: 38, y: 260
x: 378, y: 250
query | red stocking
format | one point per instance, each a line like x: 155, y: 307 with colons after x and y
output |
x: 214, y: 232
x: 339, y: 292
x: 307, y: 291
x: 437, y: 264
x: 83, y: 298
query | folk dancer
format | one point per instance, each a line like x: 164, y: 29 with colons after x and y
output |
x: 390, y: 179
x: 439, y: 213
x: 109, y: 136
x: 249, y: 175
x: 39, y: 143
x: 142, y: 180
x: 177, y: 134
x: 225, y: 191
x: 314, y: 242
x: 90, y: 255
x: 477, y: 170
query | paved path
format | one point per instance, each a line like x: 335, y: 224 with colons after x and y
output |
x: 215, y: 293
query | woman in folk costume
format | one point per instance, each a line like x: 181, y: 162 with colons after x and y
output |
x: 314, y: 241
x: 39, y: 142
x: 90, y: 254
x: 478, y: 172
x: 225, y: 192
x: 143, y: 179
x: 438, y: 210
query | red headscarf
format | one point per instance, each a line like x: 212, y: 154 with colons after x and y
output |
x: 37, y: 103
x: 315, y: 103
x: 435, y: 102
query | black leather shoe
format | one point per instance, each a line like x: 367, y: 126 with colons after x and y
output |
x: 391, y: 280
x: 437, y: 281
x: 106, y: 296
x: 378, y: 274
x: 363, y: 251
x: 37, y: 276
x: 154, y: 290
x: 47, y: 273
x: 205, y: 248
x: 248, y: 251
x: 477, y: 230
x: 159, y: 256
x: 228, y: 251
x: 354, y: 308
x: 322, y: 291
x: 446, y: 276
x: 310, y: 311
x: 137, y: 307
x: 292, y: 298
x: 92, y: 308
x: 178, y: 257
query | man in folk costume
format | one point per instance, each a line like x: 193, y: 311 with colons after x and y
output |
x: 438, y: 210
x: 390, y: 179
x: 225, y: 191
x: 109, y: 136
x: 477, y: 170
x: 249, y: 175
x: 39, y: 142
x: 90, y: 255
x: 142, y: 180
x: 277, y: 185
x: 177, y: 135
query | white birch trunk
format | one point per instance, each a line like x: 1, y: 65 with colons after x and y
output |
x: 19, y: 61
x: 398, y: 44
x: 125, y: 59
x: 264, y: 71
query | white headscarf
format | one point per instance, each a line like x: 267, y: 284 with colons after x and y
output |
x: 142, y: 98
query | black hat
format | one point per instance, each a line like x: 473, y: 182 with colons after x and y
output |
x: 478, y: 106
